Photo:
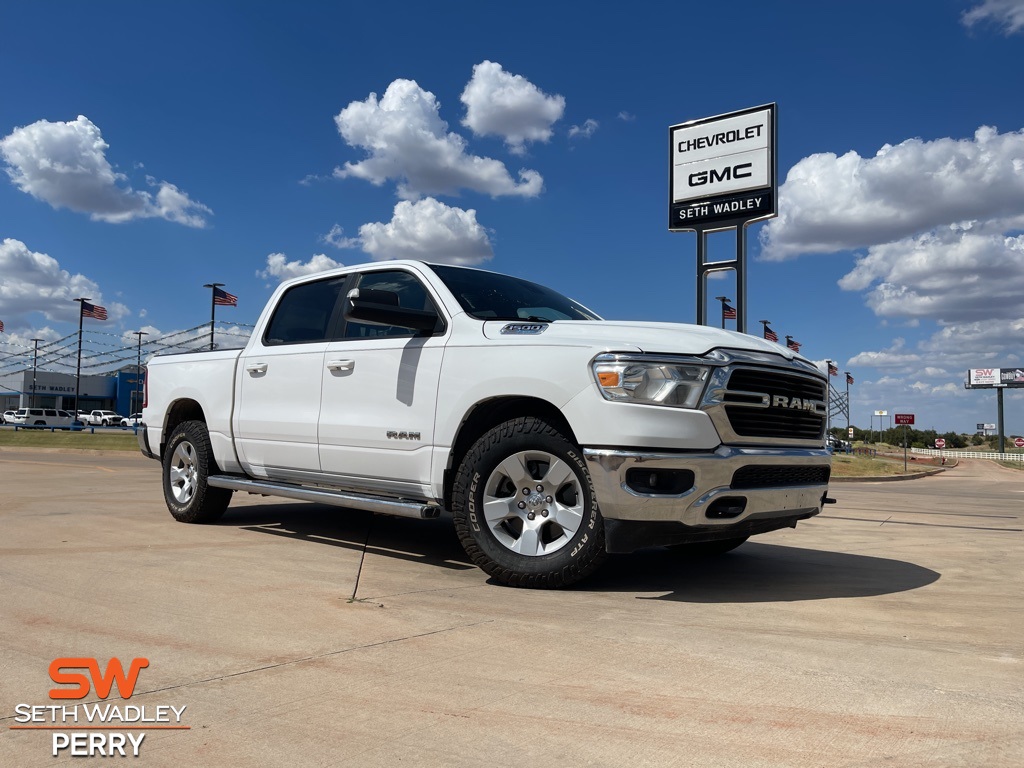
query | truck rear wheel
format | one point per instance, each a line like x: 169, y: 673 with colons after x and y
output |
x: 525, y: 509
x: 188, y: 459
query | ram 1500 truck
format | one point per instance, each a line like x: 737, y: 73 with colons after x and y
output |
x: 553, y: 437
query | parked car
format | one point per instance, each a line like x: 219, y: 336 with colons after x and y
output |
x: 837, y: 444
x: 8, y: 417
x: 132, y: 421
x: 42, y: 417
x: 104, y: 419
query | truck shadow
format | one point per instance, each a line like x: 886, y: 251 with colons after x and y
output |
x: 753, y: 573
x: 430, y: 542
x: 758, y: 573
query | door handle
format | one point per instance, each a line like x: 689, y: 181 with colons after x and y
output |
x: 341, y: 365
x: 256, y: 368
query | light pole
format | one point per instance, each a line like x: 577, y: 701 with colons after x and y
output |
x: 138, y: 374
x: 35, y: 360
x: 213, y: 306
x: 724, y: 302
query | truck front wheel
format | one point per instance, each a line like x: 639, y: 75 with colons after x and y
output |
x: 525, y: 509
x: 188, y: 459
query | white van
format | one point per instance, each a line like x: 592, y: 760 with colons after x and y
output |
x: 42, y: 417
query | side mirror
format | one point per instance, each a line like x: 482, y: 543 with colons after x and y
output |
x: 367, y: 305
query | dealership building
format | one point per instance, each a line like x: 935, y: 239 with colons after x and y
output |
x: 119, y: 391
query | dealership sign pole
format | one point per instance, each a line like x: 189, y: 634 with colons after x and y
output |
x: 722, y: 175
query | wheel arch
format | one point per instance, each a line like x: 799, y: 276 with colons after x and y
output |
x: 180, y: 411
x: 487, y: 414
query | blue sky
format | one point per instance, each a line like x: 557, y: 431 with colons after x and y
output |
x: 149, y: 148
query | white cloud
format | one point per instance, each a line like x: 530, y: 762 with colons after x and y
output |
x: 584, y: 131
x: 626, y: 116
x: 65, y: 165
x: 831, y: 203
x: 406, y: 140
x: 499, y: 103
x: 336, y: 237
x: 1008, y: 14
x: 951, y: 275
x: 35, y: 283
x: 428, y: 230
x: 280, y: 269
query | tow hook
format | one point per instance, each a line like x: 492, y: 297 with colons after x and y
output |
x: 827, y: 500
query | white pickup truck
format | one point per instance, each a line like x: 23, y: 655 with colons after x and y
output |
x: 553, y: 437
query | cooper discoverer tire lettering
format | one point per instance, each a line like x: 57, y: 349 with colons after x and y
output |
x: 186, y: 466
x: 525, y: 509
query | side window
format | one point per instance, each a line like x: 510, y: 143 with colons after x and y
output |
x: 50, y: 412
x: 304, y: 313
x: 400, y: 286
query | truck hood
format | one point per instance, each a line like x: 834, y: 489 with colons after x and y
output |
x: 626, y: 336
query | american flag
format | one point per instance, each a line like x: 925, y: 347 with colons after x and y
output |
x: 728, y: 313
x: 832, y: 369
x: 224, y: 299
x: 792, y: 343
x: 849, y: 379
x: 769, y: 334
x: 95, y: 311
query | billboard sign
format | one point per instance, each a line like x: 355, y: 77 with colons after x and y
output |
x: 722, y: 170
x: 881, y: 413
x: 904, y: 418
x: 984, y: 378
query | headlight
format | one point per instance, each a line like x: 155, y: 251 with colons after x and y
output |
x: 655, y: 382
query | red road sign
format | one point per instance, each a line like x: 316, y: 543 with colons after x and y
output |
x: 940, y: 442
x: 1019, y: 442
x: 904, y: 418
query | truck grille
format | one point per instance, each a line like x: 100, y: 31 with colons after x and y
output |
x: 777, y: 476
x: 751, y: 400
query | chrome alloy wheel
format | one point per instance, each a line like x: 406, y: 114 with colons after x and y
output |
x: 183, y: 472
x: 533, y: 503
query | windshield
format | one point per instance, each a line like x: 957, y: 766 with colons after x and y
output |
x: 490, y: 296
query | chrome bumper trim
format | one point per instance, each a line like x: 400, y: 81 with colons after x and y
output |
x: 713, y: 474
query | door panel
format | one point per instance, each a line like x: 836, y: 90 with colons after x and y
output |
x: 280, y: 379
x: 380, y: 394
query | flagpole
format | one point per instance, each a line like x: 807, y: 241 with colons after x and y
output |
x: 213, y: 306
x: 35, y: 362
x: 847, y: 373
x: 828, y: 396
x: 78, y: 369
x: 722, y: 299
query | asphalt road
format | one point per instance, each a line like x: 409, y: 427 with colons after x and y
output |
x: 887, y: 631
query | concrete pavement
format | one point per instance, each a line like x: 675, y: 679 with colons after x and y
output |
x: 886, y: 631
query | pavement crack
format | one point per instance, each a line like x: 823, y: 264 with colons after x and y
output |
x: 315, y: 657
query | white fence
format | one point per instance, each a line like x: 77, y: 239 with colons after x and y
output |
x: 969, y: 454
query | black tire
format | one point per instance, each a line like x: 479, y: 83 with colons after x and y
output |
x: 188, y: 459
x: 708, y: 548
x: 563, y: 541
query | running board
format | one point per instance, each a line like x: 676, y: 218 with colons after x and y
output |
x: 415, y: 509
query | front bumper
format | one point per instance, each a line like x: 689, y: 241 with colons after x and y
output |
x: 715, y: 506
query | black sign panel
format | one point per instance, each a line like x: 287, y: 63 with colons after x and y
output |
x: 722, y: 212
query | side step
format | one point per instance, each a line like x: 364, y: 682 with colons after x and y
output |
x: 415, y: 509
